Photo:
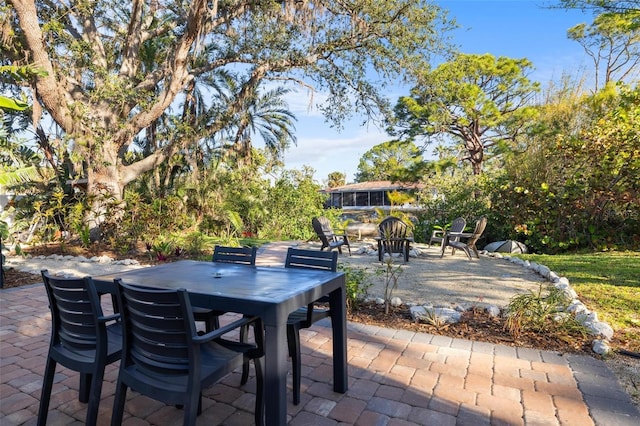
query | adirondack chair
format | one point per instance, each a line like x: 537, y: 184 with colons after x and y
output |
x: 328, y: 238
x: 393, y: 238
x: 455, y: 240
x: 457, y: 226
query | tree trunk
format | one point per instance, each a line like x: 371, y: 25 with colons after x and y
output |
x: 105, y: 192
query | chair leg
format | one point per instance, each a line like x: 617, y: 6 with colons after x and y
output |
x: 85, y: 387
x: 94, y: 396
x: 118, y: 404
x: 467, y: 252
x: 47, y: 384
x: 293, y: 341
x: 192, y: 407
x: 259, y: 409
x: 212, y: 323
x: 245, y: 364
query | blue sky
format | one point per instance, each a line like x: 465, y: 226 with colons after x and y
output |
x: 512, y: 28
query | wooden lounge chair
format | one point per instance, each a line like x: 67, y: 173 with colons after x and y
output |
x: 327, y: 237
x: 465, y: 241
x: 393, y: 238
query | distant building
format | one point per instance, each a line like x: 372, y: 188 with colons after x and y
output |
x: 369, y: 195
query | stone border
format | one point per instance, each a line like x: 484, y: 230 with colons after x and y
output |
x: 601, y: 331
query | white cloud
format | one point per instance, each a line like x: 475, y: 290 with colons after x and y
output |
x: 329, y: 151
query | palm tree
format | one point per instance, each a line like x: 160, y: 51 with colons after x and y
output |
x: 268, y: 116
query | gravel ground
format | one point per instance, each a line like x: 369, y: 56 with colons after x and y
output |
x: 424, y: 279
x: 428, y: 278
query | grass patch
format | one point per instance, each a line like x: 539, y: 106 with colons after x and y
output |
x: 607, y: 283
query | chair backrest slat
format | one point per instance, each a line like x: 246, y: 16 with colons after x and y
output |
x: 477, y: 232
x: 311, y: 259
x: 322, y: 229
x: 73, y: 312
x: 392, y: 232
x: 157, y: 333
x: 242, y: 255
x: 458, y: 225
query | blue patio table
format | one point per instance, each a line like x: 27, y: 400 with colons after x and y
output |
x: 269, y: 292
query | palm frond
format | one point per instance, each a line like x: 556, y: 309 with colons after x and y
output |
x: 18, y: 176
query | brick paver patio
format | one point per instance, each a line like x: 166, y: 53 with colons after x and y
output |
x: 396, y: 377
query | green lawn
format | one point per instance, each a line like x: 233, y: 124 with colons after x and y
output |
x: 607, y: 283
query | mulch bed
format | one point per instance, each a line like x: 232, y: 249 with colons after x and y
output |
x: 476, y: 325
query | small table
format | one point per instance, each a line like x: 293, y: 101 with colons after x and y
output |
x: 269, y: 292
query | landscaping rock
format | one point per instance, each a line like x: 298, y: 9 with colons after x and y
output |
x: 601, y: 347
x: 446, y: 315
x: 600, y: 329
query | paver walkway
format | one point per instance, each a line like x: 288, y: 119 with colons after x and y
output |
x: 396, y: 377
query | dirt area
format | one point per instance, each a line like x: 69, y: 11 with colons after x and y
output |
x: 476, y: 324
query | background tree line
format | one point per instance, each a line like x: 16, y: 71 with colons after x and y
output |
x: 154, y: 114
x: 556, y: 170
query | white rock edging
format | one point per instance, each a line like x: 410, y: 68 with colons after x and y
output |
x: 71, y: 266
x: 601, y: 331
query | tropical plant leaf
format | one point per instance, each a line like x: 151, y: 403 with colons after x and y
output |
x: 12, y: 104
x: 14, y: 177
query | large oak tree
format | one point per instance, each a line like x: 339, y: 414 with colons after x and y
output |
x: 113, y: 68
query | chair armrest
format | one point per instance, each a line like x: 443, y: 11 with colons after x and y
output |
x: 219, y: 332
x: 457, y: 235
x: 107, y: 318
x: 250, y: 350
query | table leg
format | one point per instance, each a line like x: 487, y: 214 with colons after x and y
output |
x: 338, y: 309
x: 275, y: 347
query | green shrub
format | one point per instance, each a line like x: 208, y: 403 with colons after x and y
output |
x: 449, y: 197
x: 357, y: 282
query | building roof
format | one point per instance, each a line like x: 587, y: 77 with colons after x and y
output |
x: 379, y: 185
